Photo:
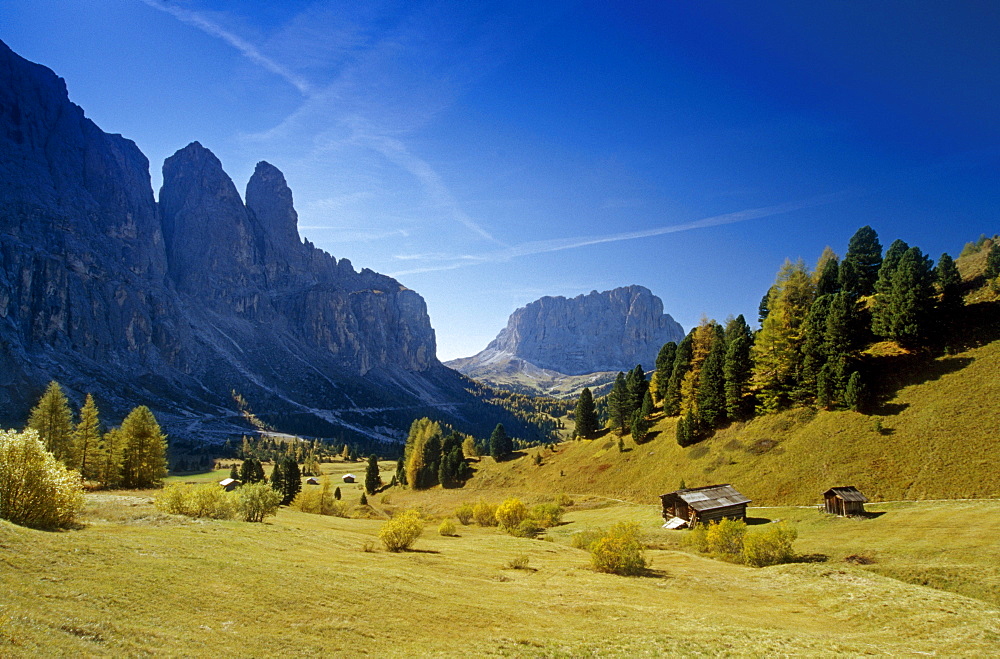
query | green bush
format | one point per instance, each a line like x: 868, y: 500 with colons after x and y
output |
x: 401, y: 531
x: 464, y: 514
x: 207, y: 500
x: 172, y: 499
x: 696, y: 538
x: 619, y: 551
x: 322, y: 501
x: 447, y: 528
x: 528, y: 528
x: 36, y: 489
x: 565, y: 500
x: 769, y: 547
x: 255, y: 501
x: 547, y: 515
x: 725, y: 538
x: 485, y: 514
x: 510, y: 514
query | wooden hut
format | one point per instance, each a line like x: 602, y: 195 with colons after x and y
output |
x: 845, y: 501
x: 349, y: 478
x: 704, y: 504
x: 312, y: 481
x: 229, y: 484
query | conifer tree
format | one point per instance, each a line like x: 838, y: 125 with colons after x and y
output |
x: 586, y: 415
x: 949, y: 286
x: 635, y: 388
x: 109, y: 469
x: 53, y: 420
x: 905, y: 314
x: 883, y: 285
x: 290, y: 479
x: 737, y: 367
x: 993, y: 260
x: 234, y: 473
x: 711, y: 387
x: 686, y: 429
x: 827, y: 273
x: 640, y: 428
x: 144, y: 449
x: 618, y: 405
x: 647, y: 405
x: 664, y: 366
x: 854, y: 396
x: 682, y: 363
x: 864, y: 253
x: 373, y: 480
x: 277, y: 480
x: 87, y: 439
x: 336, y: 493
x: 501, y: 446
x: 401, y: 471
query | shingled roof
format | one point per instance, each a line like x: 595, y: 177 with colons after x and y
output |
x: 847, y: 493
x: 711, y: 497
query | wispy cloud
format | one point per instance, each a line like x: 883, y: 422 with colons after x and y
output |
x: 561, y: 244
x: 247, y: 49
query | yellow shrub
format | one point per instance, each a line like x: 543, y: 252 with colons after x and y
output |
x: 447, y: 528
x: 510, y: 513
x: 401, y: 531
x: 769, y: 547
x: 36, y: 489
x: 485, y: 514
x: 620, y: 551
x: 464, y: 514
x: 725, y: 538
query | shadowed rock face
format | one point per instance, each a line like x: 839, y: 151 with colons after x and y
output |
x: 609, y: 331
x: 178, y: 304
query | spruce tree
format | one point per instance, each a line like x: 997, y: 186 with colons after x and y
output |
x: 993, y: 260
x: 87, y: 439
x: 664, y: 366
x: 905, y: 314
x: 864, y: 253
x: 854, y: 396
x: 234, y: 473
x: 53, y: 420
x: 640, y: 427
x: 711, y: 387
x: 586, y: 415
x: 278, y: 479
x: 401, y: 471
x: 635, y: 388
x: 647, y: 405
x: 373, y: 480
x: 827, y: 274
x: 618, y: 405
x: 883, y: 285
x: 501, y: 446
x: 737, y: 368
x: 291, y: 479
x: 144, y: 450
x: 949, y: 286
x: 336, y: 493
x: 686, y: 429
x: 682, y: 364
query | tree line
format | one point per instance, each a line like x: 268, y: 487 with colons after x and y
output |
x: 814, y: 326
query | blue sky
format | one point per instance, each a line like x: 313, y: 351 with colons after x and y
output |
x: 490, y: 153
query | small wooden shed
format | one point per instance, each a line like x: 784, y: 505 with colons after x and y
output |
x: 701, y: 505
x: 229, y: 484
x: 349, y: 478
x: 845, y: 501
x: 312, y: 481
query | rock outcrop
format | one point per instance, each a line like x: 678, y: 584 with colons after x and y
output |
x: 178, y: 304
x: 555, y: 337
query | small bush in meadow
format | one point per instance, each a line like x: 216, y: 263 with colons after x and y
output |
x: 725, y: 538
x: 171, y: 499
x: 447, y: 528
x: 485, y: 514
x: 510, y: 514
x: 207, y: 500
x: 619, y: 551
x: 586, y: 538
x: 464, y: 514
x: 519, y: 562
x: 769, y: 547
x: 401, y: 531
x: 696, y: 538
x: 528, y: 528
x: 255, y: 501
x: 547, y: 515
x: 36, y: 489
x: 565, y: 500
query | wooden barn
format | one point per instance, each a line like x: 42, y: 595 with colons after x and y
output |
x: 229, y: 484
x: 349, y: 478
x: 845, y: 501
x: 704, y: 504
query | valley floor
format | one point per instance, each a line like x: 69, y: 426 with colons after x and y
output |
x: 132, y: 581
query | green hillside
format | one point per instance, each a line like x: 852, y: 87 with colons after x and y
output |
x: 935, y: 438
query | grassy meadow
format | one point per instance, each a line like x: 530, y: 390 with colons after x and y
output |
x: 133, y: 581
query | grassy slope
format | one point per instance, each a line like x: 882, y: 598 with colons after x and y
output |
x: 939, y: 441
x: 135, y: 582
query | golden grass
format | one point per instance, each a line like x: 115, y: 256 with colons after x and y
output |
x: 937, y: 440
x: 304, y: 584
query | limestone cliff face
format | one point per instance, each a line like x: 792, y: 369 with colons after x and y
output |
x: 176, y: 304
x: 609, y: 331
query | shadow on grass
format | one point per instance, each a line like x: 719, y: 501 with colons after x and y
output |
x: 754, y: 521
x: 420, y: 551
x: 810, y: 558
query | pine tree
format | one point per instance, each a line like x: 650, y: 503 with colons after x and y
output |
x: 711, y: 386
x: 682, y: 363
x: 501, y: 446
x: 864, y: 253
x: 640, y: 427
x: 336, y: 493
x: 647, y: 405
x: 618, y: 403
x: 53, y: 420
x: 883, y: 285
x: 854, y: 396
x: 635, y: 388
x: 993, y: 261
x: 144, y: 450
x: 373, y: 480
x: 586, y: 415
x: 87, y: 439
x: 234, y: 473
x: 291, y: 480
x: 737, y: 367
x: 905, y: 314
x: 827, y: 273
x: 363, y: 501
x: 277, y: 481
x: 401, y: 471
x: 664, y: 366
x: 686, y: 429
x: 949, y: 286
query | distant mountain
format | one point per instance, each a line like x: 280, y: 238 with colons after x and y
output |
x: 182, y: 303
x: 557, y: 346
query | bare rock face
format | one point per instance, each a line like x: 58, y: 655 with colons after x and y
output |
x: 178, y: 304
x: 558, y: 337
